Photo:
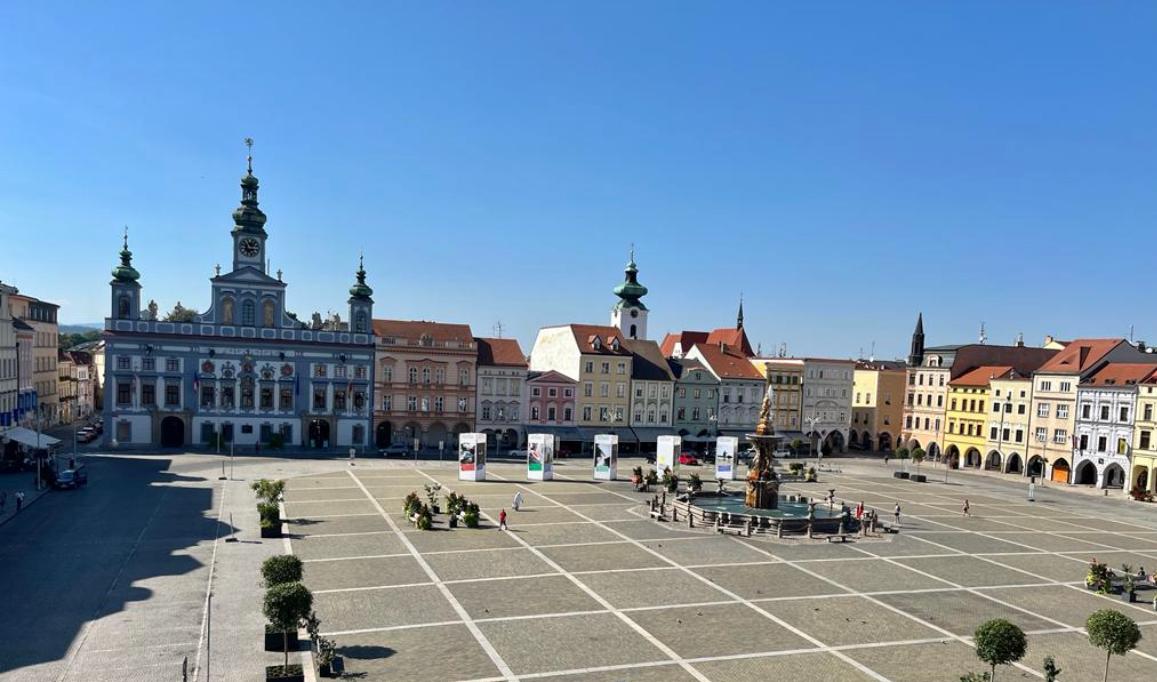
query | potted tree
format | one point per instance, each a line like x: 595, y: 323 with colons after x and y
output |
x: 286, y: 606
x: 917, y: 456
x: 279, y: 570
x: 1128, y: 584
x: 432, y: 490
x: 1099, y: 577
x: 637, y: 477
x: 425, y: 519
x: 670, y: 480
x: 1114, y: 632
x: 268, y: 494
x: 651, y: 479
x: 811, y: 475
x: 694, y: 483
x: 796, y: 446
x: 471, y: 514
x: 329, y: 664
x: 999, y: 642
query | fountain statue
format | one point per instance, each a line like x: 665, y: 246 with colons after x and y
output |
x: 762, y: 482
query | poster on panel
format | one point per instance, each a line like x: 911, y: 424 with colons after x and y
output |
x: 540, y: 451
x: 725, y: 449
x: 472, y: 457
x: 606, y: 456
x: 667, y: 454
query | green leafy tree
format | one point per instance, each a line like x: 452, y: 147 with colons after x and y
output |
x: 286, y: 605
x: 180, y: 313
x: 1114, y: 632
x: 999, y: 642
x: 285, y: 568
x: 917, y: 456
x: 267, y: 490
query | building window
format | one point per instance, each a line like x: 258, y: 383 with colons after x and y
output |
x: 248, y: 314
x: 1046, y: 385
x: 1062, y: 411
x: 1086, y: 411
x: 148, y: 364
x: 172, y: 394
x: 387, y: 403
x: 1060, y: 436
x: 1083, y: 444
x: 605, y: 368
x: 1102, y: 443
x: 567, y: 414
x: 1042, y: 434
x: 387, y: 374
x: 339, y: 396
x: 172, y: 365
x: 148, y: 395
x: 266, y: 398
x: 123, y: 362
x: 1104, y: 413
x: 439, y: 376
x: 1148, y: 412
x: 604, y: 389
x: 1144, y: 441
x: 413, y: 375
x: 207, y: 396
x: 247, y: 393
x: 339, y: 372
x: 320, y: 371
x: 319, y: 401
x: 621, y: 389
x: 992, y: 433
x: 425, y: 375
x: 1124, y: 414
x: 123, y: 306
x: 227, y: 397
x: 622, y: 368
x: 1066, y: 386
x: 589, y: 367
x: 412, y: 403
x: 464, y: 377
x: 124, y: 393
x: 533, y: 413
x: 286, y: 399
x: 360, y: 322
x: 425, y: 404
x: 1042, y: 409
x: 586, y: 413
x: 439, y: 403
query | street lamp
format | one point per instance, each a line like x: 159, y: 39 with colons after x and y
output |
x: 811, y: 422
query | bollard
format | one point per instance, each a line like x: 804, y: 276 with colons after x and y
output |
x: 690, y: 519
x: 749, y: 526
x: 842, y: 528
x: 779, y: 530
x: 809, y: 530
x: 674, y: 513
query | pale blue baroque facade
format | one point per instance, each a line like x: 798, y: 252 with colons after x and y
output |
x: 246, y: 368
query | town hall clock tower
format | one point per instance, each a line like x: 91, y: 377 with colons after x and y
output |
x: 249, y: 224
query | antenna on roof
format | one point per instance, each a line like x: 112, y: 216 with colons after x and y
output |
x: 498, y: 329
x: 1130, y: 333
x: 983, y: 334
x: 872, y: 357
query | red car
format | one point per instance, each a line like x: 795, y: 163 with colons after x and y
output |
x: 689, y: 459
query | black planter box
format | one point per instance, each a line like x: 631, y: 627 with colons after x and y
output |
x: 271, y: 531
x: 275, y: 642
x: 900, y: 474
x: 276, y: 673
x: 919, y: 478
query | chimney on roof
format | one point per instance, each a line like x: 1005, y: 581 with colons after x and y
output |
x: 1141, y: 347
x: 1020, y: 340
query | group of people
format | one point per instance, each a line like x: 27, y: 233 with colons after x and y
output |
x: 4, y: 500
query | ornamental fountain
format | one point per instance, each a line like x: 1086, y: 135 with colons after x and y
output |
x: 762, y: 481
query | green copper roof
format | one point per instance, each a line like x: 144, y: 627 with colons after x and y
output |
x: 125, y: 272
x: 630, y: 291
x: 361, y: 290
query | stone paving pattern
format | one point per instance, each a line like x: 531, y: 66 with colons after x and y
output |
x: 585, y: 587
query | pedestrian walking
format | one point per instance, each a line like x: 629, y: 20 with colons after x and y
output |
x: 860, y: 511
x: 896, y: 514
x: 966, y: 510
x: 502, y: 520
x: 19, y: 501
x: 517, y: 503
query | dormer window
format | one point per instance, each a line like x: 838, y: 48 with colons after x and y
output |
x: 426, y: 340
x: 597, y: 343
x: 615, y: 343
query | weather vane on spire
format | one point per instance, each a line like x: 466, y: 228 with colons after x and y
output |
x: 249, y: 157
x: 126, y: 242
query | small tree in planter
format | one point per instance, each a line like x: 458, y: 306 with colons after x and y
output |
x: 917, y: 455
x: 902, y: 455
x: 670, y: 480
x: 471, y: 515
x: 284, y: 568
x: 268, y: 491
x: 1128, y: 584
x: 811, y: 475
x: 425, y: 518
x: 453, y: 504
x: 286, y: 606
x: 637, y: 476
x: 270, y: 515
x: 796, y: 446
x: 652, y: 478
x: 999, y: 642
x: 432, y: 490
x: 695, y: 483
x: 410, y: 504
x: 1114, y: 632
x: 1099, y: 577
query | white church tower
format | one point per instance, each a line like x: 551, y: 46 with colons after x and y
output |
x: 630, y: 315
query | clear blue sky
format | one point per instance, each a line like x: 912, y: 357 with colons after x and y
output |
x: 843, y: 165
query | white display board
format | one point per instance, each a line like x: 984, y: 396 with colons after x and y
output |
x: 667, y: 454
x: 726, y: 448
x: 540, y: 451
x: 606, y: 456
x: 472, y: 457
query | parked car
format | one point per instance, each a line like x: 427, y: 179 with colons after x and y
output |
x: 783, y: 453
x: 86, y: 435
x: 395, y: 450
x: 689, y: 459
x: 71, y: 478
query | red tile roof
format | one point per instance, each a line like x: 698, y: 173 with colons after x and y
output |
x: 1079, y: 356
x: 504, y: 352
x: 1121, y: 374
x: 728, y: 363
x: 550, y: 377
x: 586, y: 334
x: 735, y: 338
x: 684, y: 339
x: 413, y: 330
x: 981, y: 375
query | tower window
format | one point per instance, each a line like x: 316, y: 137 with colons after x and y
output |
x: 248, y: 314
x: 123, y: 305
x: 634, y: 334
x: 360, y: 322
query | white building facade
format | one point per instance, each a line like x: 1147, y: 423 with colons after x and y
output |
x: 1106, y: 416
x: 827, y: 401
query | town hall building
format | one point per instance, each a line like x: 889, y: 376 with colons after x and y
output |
x: 245, y: 371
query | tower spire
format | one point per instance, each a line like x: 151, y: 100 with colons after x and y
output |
x: 739, y: 317
x: 125, y: 272
x: 916, y: 351
x: 248, y: 217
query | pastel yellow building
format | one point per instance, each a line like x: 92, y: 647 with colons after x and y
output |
x: 967, y: 415
x: 787, y: 382
x: 1144, y: 465
x: 878, y: 388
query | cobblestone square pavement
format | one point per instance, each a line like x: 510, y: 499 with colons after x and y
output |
x: 584, y: 586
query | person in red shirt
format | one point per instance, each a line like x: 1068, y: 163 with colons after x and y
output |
x: 502, y: 520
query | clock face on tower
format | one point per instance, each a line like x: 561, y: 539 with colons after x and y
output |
x: 634, y: 313
x: 249, y: 247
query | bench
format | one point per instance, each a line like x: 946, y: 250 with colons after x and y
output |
x: 737, y: 530
x: 837, y: 538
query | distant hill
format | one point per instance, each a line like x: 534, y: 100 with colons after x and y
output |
x: 80, y: 328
